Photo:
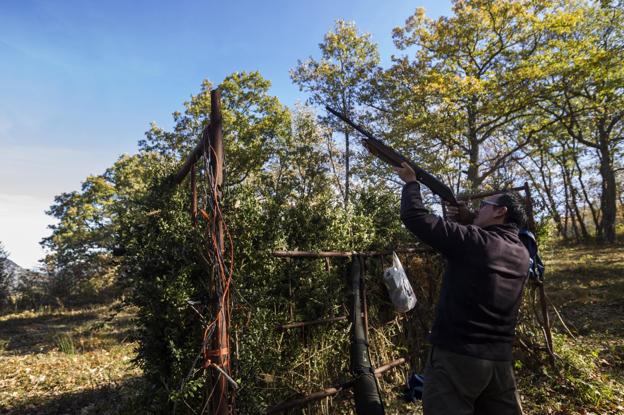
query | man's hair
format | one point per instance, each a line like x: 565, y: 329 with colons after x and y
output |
x: 516, y: 213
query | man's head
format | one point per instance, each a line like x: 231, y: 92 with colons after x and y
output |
x: 501, y: 208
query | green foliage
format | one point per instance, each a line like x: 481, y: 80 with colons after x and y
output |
x: 463, y: 95
x: 340, y: 79
x: 285, y: 201
x: 161, y: 268
x: 255, y: 124
x: 65, y: 344
x: 580, y: 73
x: 576, y: 376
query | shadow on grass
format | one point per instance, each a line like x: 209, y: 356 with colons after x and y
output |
x: 121, y: 398
x: 587, y: 286
x: 38, y: 334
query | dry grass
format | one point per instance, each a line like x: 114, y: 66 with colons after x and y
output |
x: 57, y: 362
x: 586, y: 285
x: 79, y: 362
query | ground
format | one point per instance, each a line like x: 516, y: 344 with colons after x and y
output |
x: 80, y: 361
x: 586, y: 285
x: 67, y: 361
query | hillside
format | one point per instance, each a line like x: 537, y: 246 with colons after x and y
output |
x: 18, y: 273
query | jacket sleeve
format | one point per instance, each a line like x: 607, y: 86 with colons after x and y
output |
x: 447, y: 237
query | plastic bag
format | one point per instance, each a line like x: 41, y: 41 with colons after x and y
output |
x: 399, y: 287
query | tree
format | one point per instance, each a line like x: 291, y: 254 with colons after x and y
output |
x: 583, y: 85
x: 5, y: 278
x: 80, y: 243
x: 467, y: 91
x: 80, y: 248
x: 255, y: 123
x: 348, y: 62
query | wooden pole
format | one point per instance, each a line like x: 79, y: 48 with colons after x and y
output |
x: 529, y: 207
x: 490, y: 193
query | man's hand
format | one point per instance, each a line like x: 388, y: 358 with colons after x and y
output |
x: 406, y: 173
x: 460, y: 214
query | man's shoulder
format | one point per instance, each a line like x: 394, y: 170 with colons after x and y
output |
x: 502, y: 235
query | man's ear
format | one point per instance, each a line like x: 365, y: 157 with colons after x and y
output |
x: 500, y: 212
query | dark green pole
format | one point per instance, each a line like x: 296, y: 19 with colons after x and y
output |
x: 365, y: 387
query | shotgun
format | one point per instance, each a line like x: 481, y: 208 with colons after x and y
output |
x: 392, y: 157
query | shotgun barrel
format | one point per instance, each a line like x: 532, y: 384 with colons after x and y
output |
x: 394, y: 158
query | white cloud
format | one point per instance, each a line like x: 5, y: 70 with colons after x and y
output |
x: 22, y: 225
x: 30, y: 177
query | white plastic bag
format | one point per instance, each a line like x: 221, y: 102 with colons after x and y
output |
x: 399, y: 287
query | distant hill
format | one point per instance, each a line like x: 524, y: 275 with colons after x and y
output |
x: 17, y: 271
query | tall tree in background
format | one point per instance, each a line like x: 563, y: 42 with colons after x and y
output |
x: 466, y: 89
x: 348, y: 61
x: 78, y: 246
x: 582, y: 68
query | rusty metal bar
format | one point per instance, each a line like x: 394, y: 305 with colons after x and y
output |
x: 220, y: 403
x: 195, y: 155
x: 490, y: 193
x: 291, y: 309
x: 529, y: 207
x: 216, y: 135
x: 299, y: 324
x: 333, y: 390
x: 193, y: 195
x: 337, y: 254
x: 542, y: 293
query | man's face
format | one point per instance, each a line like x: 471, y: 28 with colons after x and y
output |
x: 490, y: 212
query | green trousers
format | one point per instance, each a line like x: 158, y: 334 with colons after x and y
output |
x: 463, y: 385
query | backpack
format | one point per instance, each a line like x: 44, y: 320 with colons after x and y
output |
x: 536, y: 266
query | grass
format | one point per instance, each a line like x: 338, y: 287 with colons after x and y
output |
x: 67, y: 361
x: 79, y: 361
x: 586, y: 285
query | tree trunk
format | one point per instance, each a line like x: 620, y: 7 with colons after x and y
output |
x: 586, y: 196
x: 569, y: 212
x: 573, y: 203
x: 346, y: 201
x: 473, y: 156
x: 608, y: 198
x: 346, y: 111
x: 545, y: 193
x: 565, y: 221
x: 551, y: 199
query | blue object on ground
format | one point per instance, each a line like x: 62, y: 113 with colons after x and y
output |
x: 415, y: 385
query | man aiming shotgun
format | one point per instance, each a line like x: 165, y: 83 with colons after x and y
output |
x: 469, y: 370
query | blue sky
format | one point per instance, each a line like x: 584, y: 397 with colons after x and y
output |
x: 80, y: 81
